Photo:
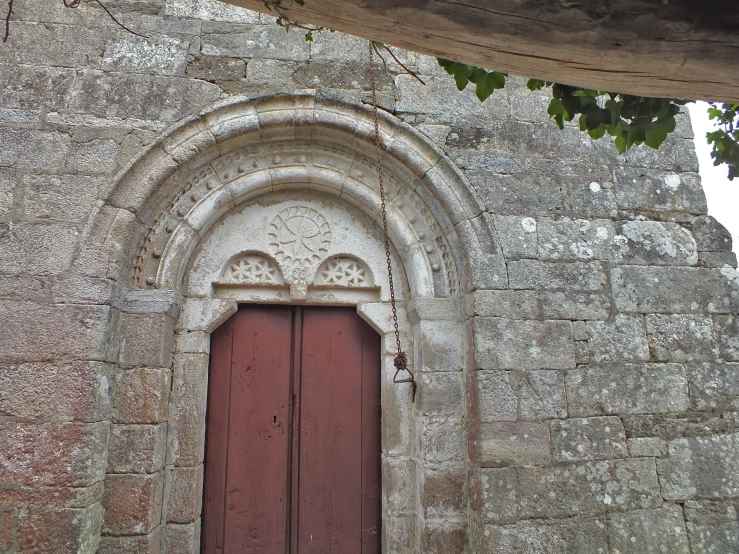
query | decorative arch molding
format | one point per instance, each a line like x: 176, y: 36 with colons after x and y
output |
x: 217, y: 160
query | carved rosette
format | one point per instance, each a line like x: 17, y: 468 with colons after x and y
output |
x: 251, y: 268
x: 299, y: 237
x: 344, y: 271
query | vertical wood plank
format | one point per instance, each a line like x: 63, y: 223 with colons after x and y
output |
x: 216, y: 439
x: 371, y: 439
x: 257, y: 483
x: 330, y: 476
x: 297, y: 354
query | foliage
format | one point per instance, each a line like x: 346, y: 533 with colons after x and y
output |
x: 630, y: 120
x: 486, y: 82
x: 725, y: 140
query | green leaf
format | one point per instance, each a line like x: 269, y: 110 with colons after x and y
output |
x: 654, y: 139
x: 620, y: 143
x: 598, y: 132
x: 485, y: 87
x: 555, y: 107
x: 535, y: 84
x: 498, y: 78
x: 461, y: 78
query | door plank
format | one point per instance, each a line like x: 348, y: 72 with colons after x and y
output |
x: 297, y: 354
x: 216, y: 439
x: 257, y: 481
x: 371, y: 439
x: 330, y: 490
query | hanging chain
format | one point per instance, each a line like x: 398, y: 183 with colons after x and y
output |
x: 401, y: 360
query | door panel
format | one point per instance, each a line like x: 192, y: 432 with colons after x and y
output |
x: 293, y: 434
x: 216, y: 438
x: 259, y: 439
x: 332, y: 437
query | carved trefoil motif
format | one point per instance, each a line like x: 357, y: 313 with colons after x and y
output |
x: 299, y: 236
x: 251, y: 268
x: 344, y: 271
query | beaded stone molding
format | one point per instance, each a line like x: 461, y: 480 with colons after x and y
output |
x: 221, y: 159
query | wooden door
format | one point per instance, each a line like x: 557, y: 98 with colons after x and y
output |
x: 293, y: 434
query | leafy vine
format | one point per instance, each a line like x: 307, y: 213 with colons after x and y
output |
x: 630, y: 120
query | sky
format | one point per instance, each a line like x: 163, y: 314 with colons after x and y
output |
x: 722, y: 195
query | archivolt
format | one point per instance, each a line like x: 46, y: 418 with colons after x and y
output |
x: 217, y: 160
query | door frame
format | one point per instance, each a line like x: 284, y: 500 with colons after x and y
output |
x: 407, y: 446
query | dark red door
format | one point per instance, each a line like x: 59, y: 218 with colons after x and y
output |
x: 293, y: 434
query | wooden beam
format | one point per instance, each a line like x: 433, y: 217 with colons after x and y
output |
x: 686, y: 49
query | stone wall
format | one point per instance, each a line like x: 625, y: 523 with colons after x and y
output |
x: 602, y: 320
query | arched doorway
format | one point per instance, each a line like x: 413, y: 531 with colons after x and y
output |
x: 218, y: 192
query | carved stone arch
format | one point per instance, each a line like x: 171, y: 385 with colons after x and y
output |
x: 170, y: 202
x: 212, y: 162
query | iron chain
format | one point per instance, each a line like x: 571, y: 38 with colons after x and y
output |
x: 401, y: 360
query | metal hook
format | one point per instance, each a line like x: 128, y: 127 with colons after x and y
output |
x: 401, y: 364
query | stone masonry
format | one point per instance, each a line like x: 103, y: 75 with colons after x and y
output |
x: 573, y: 314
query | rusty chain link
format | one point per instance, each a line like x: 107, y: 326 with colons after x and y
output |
x: 401, y: 360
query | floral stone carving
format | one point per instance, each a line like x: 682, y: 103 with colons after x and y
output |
x: 299, y: 236
x: 344, y: 272
x: 252, y: 269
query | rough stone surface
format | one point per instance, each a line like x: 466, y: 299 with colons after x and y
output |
x: 183, y: 538
x: 656, y: 243
x: 137, y: 348
x: 142, y: 396
x: 136, y: 448
x: 542, y: 395
x: 588, y: 488
x: 60, y: 530
x: 185, y: 486
x: 515, y: 304
x: 701, y: 467
x: 133, y: 504
x: 593, y: 438
x: 647, y: 446
x: 443, y: 492
x: 514, y: 444
x: 674, y: 290
x: 681, y: 338
x: 713, y: 527
x: 69, y: 454
x: 513, y: 344
x: 714, y: 385
x: 496, y: 398
x: 649, y: 531
x: 710, y: 235
x: 622, y: 338
x: 567, y: 536
x: 727, y: 332
x: 518, y: 236
x: 575, y: 239
x: 627, y: 389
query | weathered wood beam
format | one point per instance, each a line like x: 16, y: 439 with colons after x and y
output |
x: 685, y: 49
